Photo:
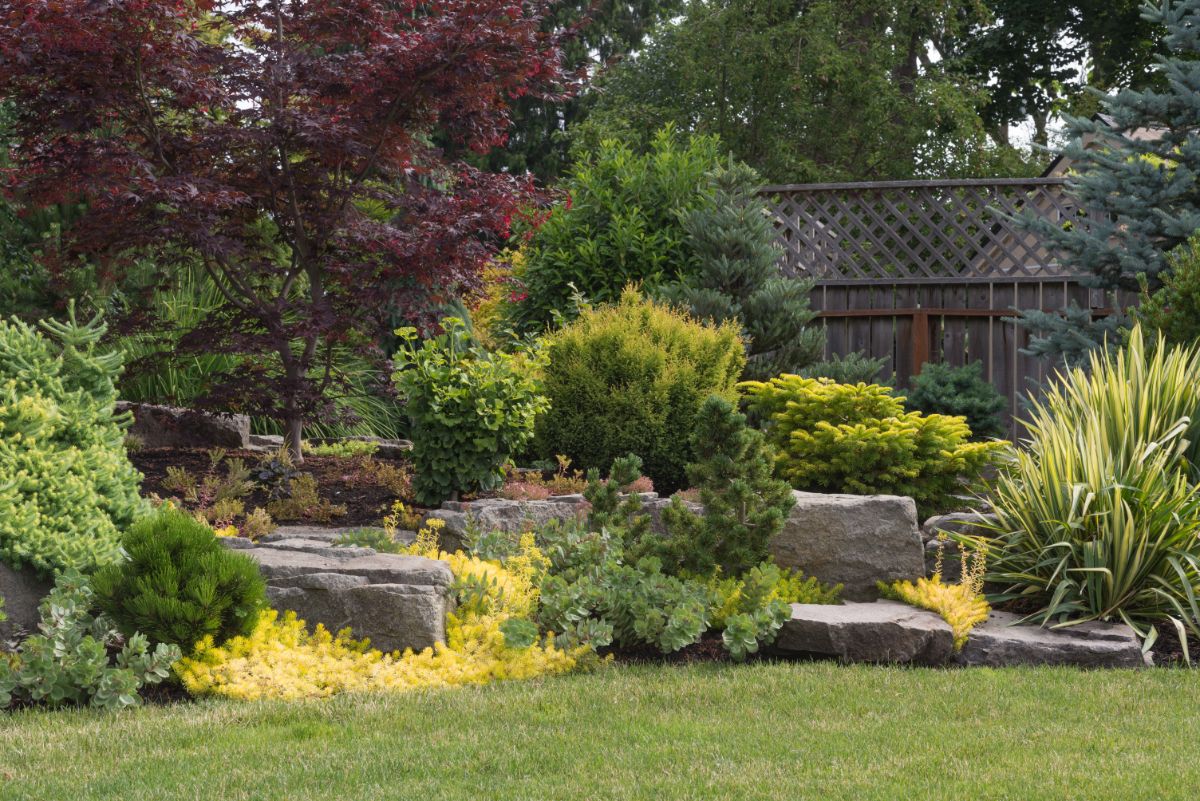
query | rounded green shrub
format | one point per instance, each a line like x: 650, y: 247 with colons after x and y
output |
x: 857, y: 438
x: 631, y: 378
x: 179, y: 585
x: 960, y: 391
x: 471, y: 410
x: 67, y: 488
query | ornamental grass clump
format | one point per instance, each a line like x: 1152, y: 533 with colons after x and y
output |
x: 857, y: 438
x: 67, y: 488
x: 1098, y: 518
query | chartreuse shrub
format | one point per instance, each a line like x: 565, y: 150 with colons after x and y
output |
x: 66, y: 486
x: 1098, y: 517
x: 471, y: 410
x: 960, y: 391
x: 621, y: 222
x: 178, y: 584
x: 630, y: 378
x: 961, y: 605
x: 489, y: 637
x: 80, y: 658
x: 858, y: 439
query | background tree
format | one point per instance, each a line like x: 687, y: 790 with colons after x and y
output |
x: 1140, y: 190
x: 737, y: 277
x: 1036, y: 57
x: 287, y: 145
x: 823, y: 90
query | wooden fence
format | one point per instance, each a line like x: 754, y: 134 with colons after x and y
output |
x: 921, y: 271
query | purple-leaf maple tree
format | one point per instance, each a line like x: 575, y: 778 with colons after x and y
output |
x: 284, y: 146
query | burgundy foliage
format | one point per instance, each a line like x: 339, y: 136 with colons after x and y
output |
x: 284, y: 146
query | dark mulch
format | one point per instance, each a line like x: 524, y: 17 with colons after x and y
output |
x: 340, y: 480
x: 1168, y: 650
x: 709, y: 649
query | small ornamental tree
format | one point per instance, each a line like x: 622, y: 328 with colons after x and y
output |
x: 286, y: 145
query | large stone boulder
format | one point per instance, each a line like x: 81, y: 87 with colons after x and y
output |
x: 170, y: 427
x: 853, y: 540
x: 397, y: 602
x: 1000, y: 642
x: 882, y: 632
x: 22, y: 591
x: 499, y: 514
x: 972, y: 523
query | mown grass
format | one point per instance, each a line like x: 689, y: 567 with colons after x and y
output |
x: 766, y: 731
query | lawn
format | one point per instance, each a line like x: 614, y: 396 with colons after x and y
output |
x: 786, y: 731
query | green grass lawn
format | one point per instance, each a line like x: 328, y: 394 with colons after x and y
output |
x: 786, y: 731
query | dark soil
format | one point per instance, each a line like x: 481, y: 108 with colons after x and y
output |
x: 709, y: 649
x: 346, y: 481
x: 1168, y: 650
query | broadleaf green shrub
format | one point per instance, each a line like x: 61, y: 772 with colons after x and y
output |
x: 1098, y: 517
x: 66, y: 485
x: 179, y: 585
x: 621, y: 224
x: 471, y: 410
x: 959, y: 391
x: 68, y: 661
x: 630, y: 378
x: 858, y: 439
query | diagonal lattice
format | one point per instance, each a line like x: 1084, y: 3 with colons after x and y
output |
x: 902, y: 230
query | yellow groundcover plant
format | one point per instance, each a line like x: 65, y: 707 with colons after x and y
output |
x: 961, y: 605
x: 281, y: 659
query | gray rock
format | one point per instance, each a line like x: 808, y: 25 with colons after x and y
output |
x: 171, y: 427
x: 322, y: 581
x: 853, y: 540
x: 236, y: 543
x: 382, y: 568
x: 997, y: 642
x: 953, y: 523
x: 498, y: 514
x: 265, y: 442
x: 320, y: 547
x: 392, y: 616
x: 323, y: 534
x: 883, y: 632
x: 22, y: 591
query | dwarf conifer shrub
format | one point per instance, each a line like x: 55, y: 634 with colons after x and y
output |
x: 858, y: 439
x: 66, y: 485
x: 961, y: 391
x: 630, y: 378
x: 179, y: 585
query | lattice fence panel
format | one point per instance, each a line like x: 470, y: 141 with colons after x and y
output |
x: 903, y: 230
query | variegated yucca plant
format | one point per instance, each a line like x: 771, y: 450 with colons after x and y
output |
x: 1098, y: 516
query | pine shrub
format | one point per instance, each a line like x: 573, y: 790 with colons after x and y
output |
x: 179, y: 585
x: 858, y: 439
x: 959, y: 391
x: 744, y: 505
x: 737, y: 277
x: 853, y: 368
x: 67, y: 488
x: 630, y: 378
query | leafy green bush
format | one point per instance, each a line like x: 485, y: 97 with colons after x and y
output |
x: 630, y: 378
x: 343, y: 449
x: 853, y: 368
x: 179, y: 584
x: 744, y: 506
x: 68, y: 662
x: 1175, y: 308
x: 471, y: 410
x: 858, y: 439
x: 1098, y: 517
x: 621, y: 224
x: 66, y: 485
x: 959, y: 391
x: 737, y: 277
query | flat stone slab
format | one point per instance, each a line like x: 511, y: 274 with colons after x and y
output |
x: 998, y: 642
x: 377, y: 568
x: 852, y: 540
x: 886, y: 632
x: 325, y: 534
